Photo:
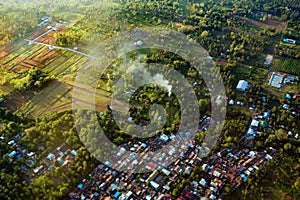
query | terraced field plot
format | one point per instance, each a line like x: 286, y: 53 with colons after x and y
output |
x: 57, y: 97
x: 61, y: 63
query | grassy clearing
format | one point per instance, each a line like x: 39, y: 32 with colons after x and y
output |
x: 294, y: 89
x: 260, y: 59
x: 250, y: 73
x: 277, y: 194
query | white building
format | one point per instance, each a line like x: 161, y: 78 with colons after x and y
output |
x: 138, y: 43
x: 231, y: 102
x: 276, y: 80
x: 242, y: 86
x: 255, y: 123
x: 269, y: 60
x: 154, y: 185
x: 164, y: 138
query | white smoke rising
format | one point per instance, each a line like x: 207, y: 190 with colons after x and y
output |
x: 143, y: 77
x: 138, y: 74
x: 159, y: 80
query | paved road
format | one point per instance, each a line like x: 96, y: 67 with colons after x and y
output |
x: 42, y: 35
x: 58, y: 47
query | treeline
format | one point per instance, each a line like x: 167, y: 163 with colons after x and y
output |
x: 11, y: 176
x: 50, y: 132
x: 206, y: 22
x: 71, y: 38
x: 32, y: 78
x: 16, y: 22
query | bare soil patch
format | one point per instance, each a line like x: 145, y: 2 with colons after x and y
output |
x: 16, y: 99
x: 37, y: 33
x: 223, y: 63
x: 3, y: 53
x: 269, y: 23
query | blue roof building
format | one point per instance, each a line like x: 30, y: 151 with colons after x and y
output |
x: 251, y: 132
x: 80, y: 186
x: 19, y: 156
x: 244, y: 177
x: 60, y: 160
x: 12, y: 154
x: 267, y: 114
x: 50, y: 156
x: 117, y: 194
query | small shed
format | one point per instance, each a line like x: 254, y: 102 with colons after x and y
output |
x: 286, y: 106
x: 269, y: 60
x: 263, y: 123
x: 288, y: 96
x: 50, y: 156
x: 267, y: 115
x: 255, y: 123
x: 138, y: 43
x: 231, y: 102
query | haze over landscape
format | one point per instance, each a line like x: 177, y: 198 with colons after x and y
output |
x: 139, y: 99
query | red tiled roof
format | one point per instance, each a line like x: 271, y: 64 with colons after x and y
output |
x: 230, y: 176
x: 186, y: 193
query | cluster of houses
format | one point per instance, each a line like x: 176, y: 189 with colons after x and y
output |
x: 61, y: 156
x: 290, y: 97
x: 18, y: 151
x: 107, y: 182
x: 259, y: 121
x: 232, y: 166
x: 156, y: 184
x: 276, y: 80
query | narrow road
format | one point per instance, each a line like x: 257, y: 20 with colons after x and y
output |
x: 34, y: 41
